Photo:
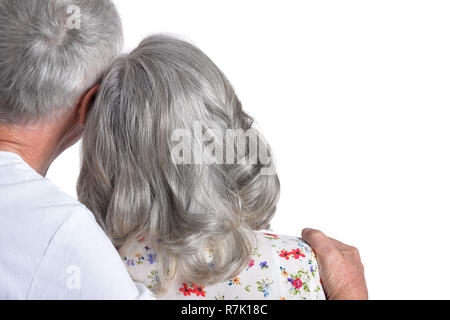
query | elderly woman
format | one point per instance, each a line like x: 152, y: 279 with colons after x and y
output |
x: 188, y: 226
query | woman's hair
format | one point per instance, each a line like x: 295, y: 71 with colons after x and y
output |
x: 129, y: 177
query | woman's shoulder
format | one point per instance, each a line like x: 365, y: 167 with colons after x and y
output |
x: 281, y: 267
x: 295, y: 263
x: 137, y: 249
x: 288, y: 247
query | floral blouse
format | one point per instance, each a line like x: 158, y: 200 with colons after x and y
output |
x: 281, y: 267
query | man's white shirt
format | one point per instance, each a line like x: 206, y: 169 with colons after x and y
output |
x: 51, y: 247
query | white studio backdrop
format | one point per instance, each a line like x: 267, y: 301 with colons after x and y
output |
x: 354, y: 98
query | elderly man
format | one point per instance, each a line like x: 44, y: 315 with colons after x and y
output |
x: 52, y: 55
x: 50, y: 245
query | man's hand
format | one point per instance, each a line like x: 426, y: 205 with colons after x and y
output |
x: 340, y: 267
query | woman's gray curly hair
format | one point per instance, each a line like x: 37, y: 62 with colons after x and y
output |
x: 131, y: 183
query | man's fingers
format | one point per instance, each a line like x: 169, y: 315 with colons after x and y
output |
x: 324, y: 245
x: 320, y: 243
x: 340, y: 245
x: 346, y: 249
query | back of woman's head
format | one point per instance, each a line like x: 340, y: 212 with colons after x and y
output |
x: 161, y: 157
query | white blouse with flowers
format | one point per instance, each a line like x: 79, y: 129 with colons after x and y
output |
x: 281, y: 267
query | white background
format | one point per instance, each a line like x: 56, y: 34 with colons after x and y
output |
x: 354, y: 98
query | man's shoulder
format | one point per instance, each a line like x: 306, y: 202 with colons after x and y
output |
x: 51, y: 196
x: 25, y: 194
x: 33, y: 212
x: 33, y: 208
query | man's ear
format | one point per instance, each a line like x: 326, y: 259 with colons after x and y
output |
x: 86, y: 102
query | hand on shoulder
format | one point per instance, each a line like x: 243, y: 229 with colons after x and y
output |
x: 340, y: 267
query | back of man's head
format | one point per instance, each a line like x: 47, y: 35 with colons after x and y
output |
x: 51, y: 52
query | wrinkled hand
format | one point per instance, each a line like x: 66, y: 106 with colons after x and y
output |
x: 340, y: 267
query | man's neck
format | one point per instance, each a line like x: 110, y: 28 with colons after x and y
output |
x: 36, y: 144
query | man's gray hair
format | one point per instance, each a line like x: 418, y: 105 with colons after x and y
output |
x: 51, y: 53
x: 131, y: 183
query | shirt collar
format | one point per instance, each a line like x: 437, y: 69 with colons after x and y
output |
x: 10, y: 155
